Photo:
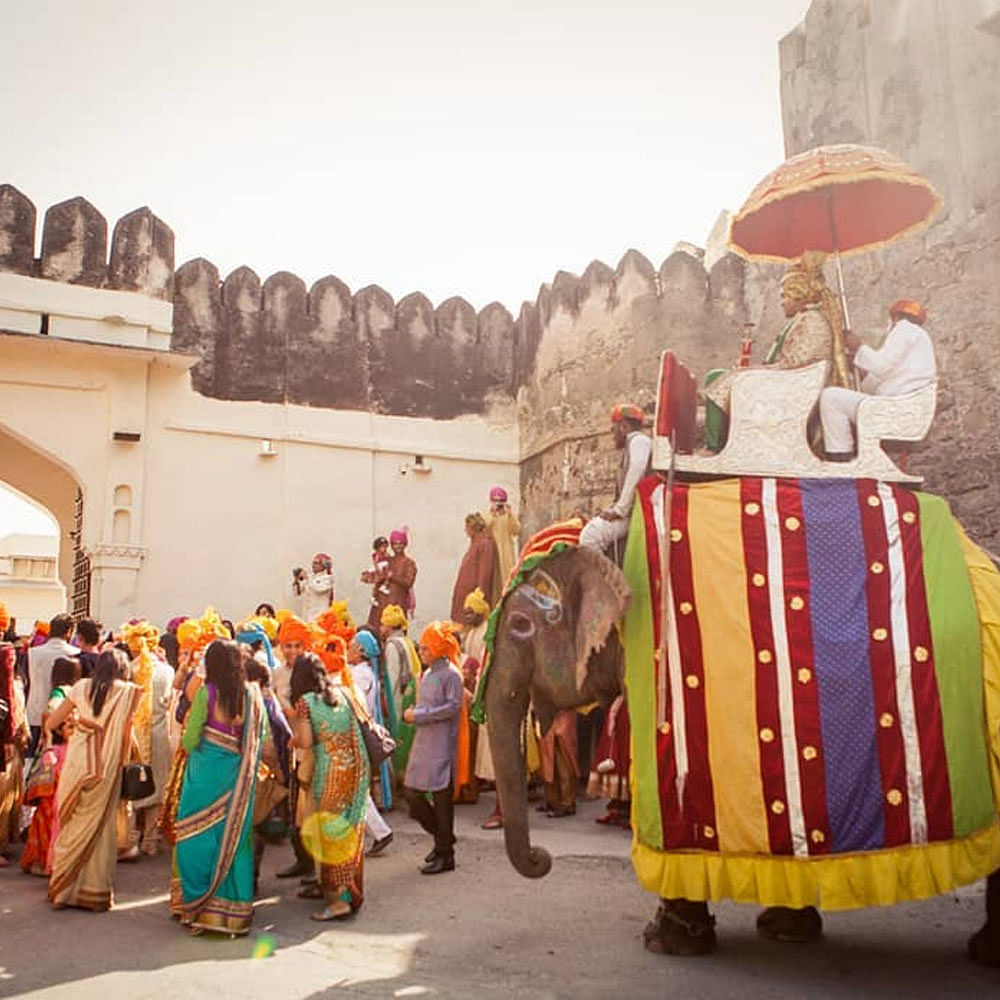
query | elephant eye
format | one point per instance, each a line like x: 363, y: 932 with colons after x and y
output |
x: 520, y: 626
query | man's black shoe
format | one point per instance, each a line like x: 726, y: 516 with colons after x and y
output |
x: 438, y: 865
x: 295, y: 871
x: 430, y: 857
x: 380, y: 845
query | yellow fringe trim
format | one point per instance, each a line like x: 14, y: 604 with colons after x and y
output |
x: 832, y: 882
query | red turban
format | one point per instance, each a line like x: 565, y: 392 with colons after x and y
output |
x: 909, y: 309
x: 627, y: 411
x: 439, y: 638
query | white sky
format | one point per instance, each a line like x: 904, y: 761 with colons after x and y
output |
x: 446, y: 146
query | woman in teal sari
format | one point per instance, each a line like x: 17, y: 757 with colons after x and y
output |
x: 213, y: 831
x: 334, y: 771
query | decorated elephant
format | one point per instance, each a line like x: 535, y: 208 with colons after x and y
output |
x: 813, y: 687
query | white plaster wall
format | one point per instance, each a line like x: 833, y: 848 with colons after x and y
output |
x: 213, y: 521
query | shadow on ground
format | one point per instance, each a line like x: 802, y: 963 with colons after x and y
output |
x: 480, y: 931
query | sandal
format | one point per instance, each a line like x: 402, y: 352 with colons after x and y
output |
x: 311, y: 890
x: 492, y: 822
x: 330, y: 913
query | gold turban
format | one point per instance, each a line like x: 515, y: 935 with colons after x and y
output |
x: 393, y: 616
x: 476, y: 602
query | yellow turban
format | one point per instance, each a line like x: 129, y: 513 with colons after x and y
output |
x: 439, y: 638
x: 197, y: 633
x: 393, y: 616
x: 476, y: 602
x: 268, y: 625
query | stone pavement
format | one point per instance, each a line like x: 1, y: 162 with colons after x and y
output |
x: 482, y: 931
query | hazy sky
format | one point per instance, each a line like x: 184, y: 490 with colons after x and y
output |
x: 447, y: 147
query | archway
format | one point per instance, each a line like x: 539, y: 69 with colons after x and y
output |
x: 49, y: 484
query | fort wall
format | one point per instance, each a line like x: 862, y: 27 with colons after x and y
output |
x: 920, y: 78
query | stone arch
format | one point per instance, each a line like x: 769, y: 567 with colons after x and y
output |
x: 48, y: 482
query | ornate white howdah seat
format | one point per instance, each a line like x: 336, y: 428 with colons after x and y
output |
x: 768, y: 413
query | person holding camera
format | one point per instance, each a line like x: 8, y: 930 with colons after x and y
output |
x: 502, y: 524
x: 314, y: 589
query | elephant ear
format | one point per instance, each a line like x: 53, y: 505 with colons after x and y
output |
x: 604, y: 595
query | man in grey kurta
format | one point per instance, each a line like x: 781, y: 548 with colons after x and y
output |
x: 431, y: 768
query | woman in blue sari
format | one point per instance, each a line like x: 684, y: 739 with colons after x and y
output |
x: 213, y: 829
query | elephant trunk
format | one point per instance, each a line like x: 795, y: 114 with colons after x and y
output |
x: 506, y: 710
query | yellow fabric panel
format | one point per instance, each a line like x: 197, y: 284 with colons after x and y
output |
x: 839, y: 882
x: 720, y: 587
x: 985, y: 580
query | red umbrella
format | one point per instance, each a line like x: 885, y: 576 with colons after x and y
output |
x: 837, y: 199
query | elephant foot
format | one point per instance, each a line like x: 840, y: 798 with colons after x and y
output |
x: 790, y: 926
x: 984, y: 946
x: 680, y: 927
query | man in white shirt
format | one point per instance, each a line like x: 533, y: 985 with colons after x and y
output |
x: 905, y: 362
x: 40, y: 660
x: 611, y: 524
x: 315, y: 589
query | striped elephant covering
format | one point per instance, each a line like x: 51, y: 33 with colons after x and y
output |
x: 814, y: 691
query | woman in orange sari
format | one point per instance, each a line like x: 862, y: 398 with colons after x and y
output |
x: 43, y: 779
x: 84, y: 854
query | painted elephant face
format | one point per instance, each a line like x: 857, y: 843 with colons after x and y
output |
x: 556, y: 618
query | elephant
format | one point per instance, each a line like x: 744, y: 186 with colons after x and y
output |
x: 573, y: 628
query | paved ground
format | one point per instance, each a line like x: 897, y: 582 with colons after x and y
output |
x: 482, y: 931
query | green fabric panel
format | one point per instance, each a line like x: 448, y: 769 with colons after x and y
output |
x: 957, y: 666
x: 640, y: 684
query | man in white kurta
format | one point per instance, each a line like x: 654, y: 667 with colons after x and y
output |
x: 611, y: 524
x: 314, y: 589
x: 904, y: 363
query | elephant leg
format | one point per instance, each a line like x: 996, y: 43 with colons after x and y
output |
x: 680, y: 927
x: 791, y: 926
x: 984, y: 945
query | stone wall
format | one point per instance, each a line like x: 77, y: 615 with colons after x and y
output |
x: 600, y: 337
x: 276, y: 340
x: 920, y: 78
x: 75, y: 246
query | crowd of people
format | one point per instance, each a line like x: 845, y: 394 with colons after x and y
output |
x: 213, y: 740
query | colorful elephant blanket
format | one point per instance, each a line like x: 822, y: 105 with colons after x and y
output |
x: 814, y: 690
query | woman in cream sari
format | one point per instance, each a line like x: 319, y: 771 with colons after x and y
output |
x: 83, y: 857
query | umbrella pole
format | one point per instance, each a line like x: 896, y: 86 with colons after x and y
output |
x: 852, y: 374
x: 840, y: 270
x: 843, y: 294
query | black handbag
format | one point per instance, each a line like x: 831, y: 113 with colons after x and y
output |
x: 137, y: 782
x: 379, y: 743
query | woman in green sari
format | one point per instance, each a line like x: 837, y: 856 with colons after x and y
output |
x: 213, y: 856
x: 326, y: 730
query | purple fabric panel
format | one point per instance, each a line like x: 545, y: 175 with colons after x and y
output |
x: 838, y: 606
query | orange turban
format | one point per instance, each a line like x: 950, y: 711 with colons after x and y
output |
x: 909, y: 309
x: 333, y: 653
x: 337, y: 620
x: 4, y: 617
x: 439, y: 638
x: 627, y: 411
x: 294, y: 629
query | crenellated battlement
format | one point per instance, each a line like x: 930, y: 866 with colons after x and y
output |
x: 277, y: 340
